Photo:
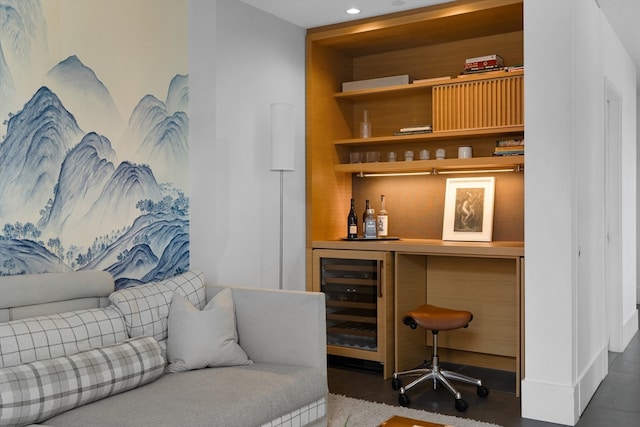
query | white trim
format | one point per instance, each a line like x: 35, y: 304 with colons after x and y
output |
x: 629, y: 329
x: 549, y: 402
x: 592, y: 376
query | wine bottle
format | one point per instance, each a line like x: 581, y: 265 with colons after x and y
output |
x: 383, y: 220
x: 352, y: 222
x: 364, y: 216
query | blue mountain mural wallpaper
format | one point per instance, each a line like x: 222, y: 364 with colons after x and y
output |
x: 85, y: 183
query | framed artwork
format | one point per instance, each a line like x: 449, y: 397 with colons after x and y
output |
x: 468, y: 209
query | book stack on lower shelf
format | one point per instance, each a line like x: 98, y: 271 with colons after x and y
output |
x: 509, y: 147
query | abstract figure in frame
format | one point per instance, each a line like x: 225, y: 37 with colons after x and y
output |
x: 469, y: 210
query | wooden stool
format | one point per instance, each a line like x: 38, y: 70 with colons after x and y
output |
x: 436, y: 319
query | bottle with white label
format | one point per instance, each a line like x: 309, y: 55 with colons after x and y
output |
x: 383, y: 220
x: 364, y: 216
x: 370, y: 226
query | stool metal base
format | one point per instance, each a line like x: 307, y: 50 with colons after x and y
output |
x: 436, y: 374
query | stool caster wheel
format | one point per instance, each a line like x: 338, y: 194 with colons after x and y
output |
x: 396, y: 383
x: 461, y: 405
x: 482, y: 391
x: 404, y: 400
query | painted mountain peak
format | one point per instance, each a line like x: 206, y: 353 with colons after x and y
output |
x: 83, y: 175
x: 156, y: 137
x: 166, y: 149
x: 83, y: 93
x: 37, y: 140
x: 145, y: 116
x: 178, y: 94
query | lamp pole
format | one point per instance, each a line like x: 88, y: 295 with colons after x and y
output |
x: 280, y: 278
x: 282, y: 159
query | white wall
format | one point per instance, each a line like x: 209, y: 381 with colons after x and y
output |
x: 619, y: 68
x: 242, y: 60
x: 591, y: 348
x: 202, y: 129
x: 547, y: 390
x: 569, y: 50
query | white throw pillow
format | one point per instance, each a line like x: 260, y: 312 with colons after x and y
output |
x: 203, y: 339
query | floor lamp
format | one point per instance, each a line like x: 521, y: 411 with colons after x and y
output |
x: 283, y: 133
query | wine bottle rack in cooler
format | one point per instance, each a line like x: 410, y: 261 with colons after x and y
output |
x: 358, y: 299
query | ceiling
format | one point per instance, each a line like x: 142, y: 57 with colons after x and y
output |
x: 315, y: 13
x: 622, y: 14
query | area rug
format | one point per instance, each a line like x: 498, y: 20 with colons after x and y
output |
x: 347, y: 411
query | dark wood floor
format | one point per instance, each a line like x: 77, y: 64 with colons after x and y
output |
x: 616, y: 402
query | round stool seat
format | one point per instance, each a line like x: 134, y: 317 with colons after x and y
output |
x: 440, y: 319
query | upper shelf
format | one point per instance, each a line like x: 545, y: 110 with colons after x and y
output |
x: 498, y: 132
x: 444, y: 165
x: 407, y: 89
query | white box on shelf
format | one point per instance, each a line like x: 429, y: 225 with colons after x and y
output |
x: 375, y: 83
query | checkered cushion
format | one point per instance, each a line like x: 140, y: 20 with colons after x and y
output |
x: 46, y: 337
x: 35, y: 391
x: 146, y: 307
x: 190, y: 285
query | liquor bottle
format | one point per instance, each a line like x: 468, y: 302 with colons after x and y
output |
x: 383, y: 220
x: 370, y: 226
x: 352, y: 222
x: 364, y: 216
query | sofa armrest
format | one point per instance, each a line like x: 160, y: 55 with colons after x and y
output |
x: 280, y: 326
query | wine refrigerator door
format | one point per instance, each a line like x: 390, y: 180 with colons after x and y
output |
x: 358, y: 288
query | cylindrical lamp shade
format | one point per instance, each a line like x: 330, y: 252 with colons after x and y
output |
x: 283, y: 132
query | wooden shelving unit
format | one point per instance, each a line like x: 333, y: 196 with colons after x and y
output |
x: 427, y: 43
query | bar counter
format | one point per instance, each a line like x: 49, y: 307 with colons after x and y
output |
x: 429, y: 247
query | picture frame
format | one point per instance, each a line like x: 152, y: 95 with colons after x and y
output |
x: 468, y: 209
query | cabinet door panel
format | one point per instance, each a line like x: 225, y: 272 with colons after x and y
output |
x: 358, y: 294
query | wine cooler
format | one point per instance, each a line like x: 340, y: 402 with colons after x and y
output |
x: 358, y: 288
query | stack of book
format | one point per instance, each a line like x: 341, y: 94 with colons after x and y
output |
x: 482, y: 64
x: 509, y: 147
x: 414, y: 130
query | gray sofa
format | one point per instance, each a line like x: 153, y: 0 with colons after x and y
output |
x: 282, y: 332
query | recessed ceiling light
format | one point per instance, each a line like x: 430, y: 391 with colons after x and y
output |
x: 353, y: 11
